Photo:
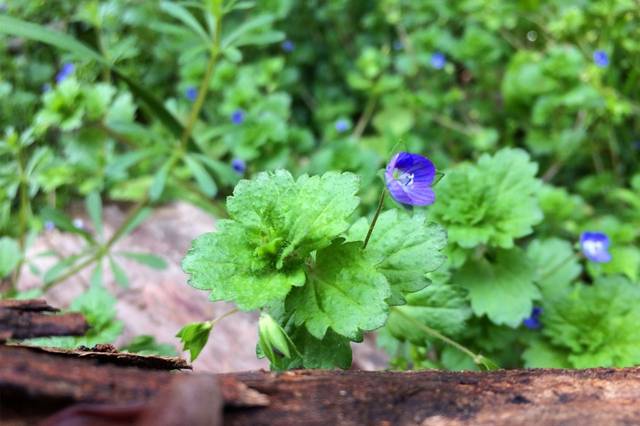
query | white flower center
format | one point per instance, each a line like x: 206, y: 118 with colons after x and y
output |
x: 593, y: 247
x: 404, y: 178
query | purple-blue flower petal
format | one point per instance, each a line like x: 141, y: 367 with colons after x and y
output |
x: 239, y: 165
x: 342, y: 125
x: 409, y: 177
x: 595, y: 246
x: 191, y: 93
x: 288, y: 46
x: 66, y: 70
x: 237, y: 117
x: 438, y: 60
x: 533, y: 321
x: 601, y: 58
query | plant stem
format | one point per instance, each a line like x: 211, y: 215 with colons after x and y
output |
x: 23, y: 216
x: 477, y: 358
x: 204, y: 85
x: 365, y: 117
x: 101, y: 250
x: 223, y: 316
x: 375, y: 219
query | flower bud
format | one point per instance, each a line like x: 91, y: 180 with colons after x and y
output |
x: 272, y: 337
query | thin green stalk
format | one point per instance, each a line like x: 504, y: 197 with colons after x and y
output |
x: 23, y: 217
x: 101, y: 251
x: 204, y: 85
x: 478, y: 359
x: 375, y: 219
x: 223, y: 316
x: 364, y: 119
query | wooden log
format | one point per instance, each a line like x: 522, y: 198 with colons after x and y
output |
x: 37, y: 385
x: 22, y: 319
x: 506, y: 397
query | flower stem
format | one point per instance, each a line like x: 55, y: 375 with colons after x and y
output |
x: 375, y: 219
x: 23, y: 217
x: 478, y: 359
x: 223, y: 316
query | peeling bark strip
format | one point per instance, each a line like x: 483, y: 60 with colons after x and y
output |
x: 22, y: 319
x: 108, y: 354
x: 38, y: 305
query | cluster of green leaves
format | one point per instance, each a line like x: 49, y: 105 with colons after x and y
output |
x: 290, y: 249
x: 515, y: 75
x: 494, y: 278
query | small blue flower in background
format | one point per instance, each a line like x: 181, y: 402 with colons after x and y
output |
x: 237, y: 117
x: 595, y: 246
x: 397, y: 45
x: 65, y: 72
x: 78, y: 223
x: 342, y: 125
x: 533, y: 322
x: 239, y: 165
x: 438, y: 60
x: 601, y: 58
x: 409, y: 178
x: 191, y: 93
x: 49, y: 226
x: 46, y: 88
x: 288, y: 46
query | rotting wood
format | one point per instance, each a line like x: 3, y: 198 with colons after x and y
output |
x: 507, y: 397
x: 22, y: 319
x: 99, y: 386
x: 36, y: 384
x: 517, y: 397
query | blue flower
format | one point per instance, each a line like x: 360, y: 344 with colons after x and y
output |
x: 78, y: 223
x: 438, y: 60
x: 288, y: 46
x: 191, y: 93
x: 49, y: 226
x: 342, y: 125
x: 595, y: 246
x: 601, y: 58
x: 239, y: 165
x: 65, y: 72
x: 533, y: 322
x: 237, y: 117
x: 409, y: 178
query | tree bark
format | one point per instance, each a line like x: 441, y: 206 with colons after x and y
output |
x: 35, y: 385
x: 22, y: 319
